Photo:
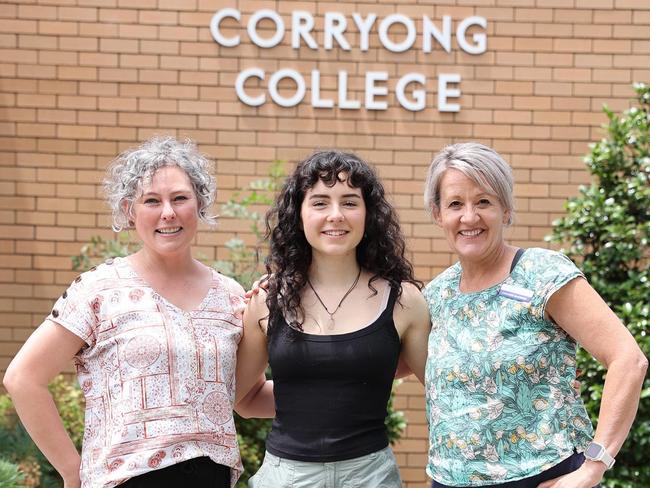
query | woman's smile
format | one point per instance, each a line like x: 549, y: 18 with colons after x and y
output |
x: 471, y: 233
x: 169, y: 230
x: 335, y: 233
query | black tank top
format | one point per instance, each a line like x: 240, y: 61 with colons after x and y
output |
x: 331, y: 391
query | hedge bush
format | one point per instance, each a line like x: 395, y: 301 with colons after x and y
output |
x: 607, y: 230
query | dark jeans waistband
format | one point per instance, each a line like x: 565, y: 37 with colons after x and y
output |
x: 567, y: 466
x: 199, y: 472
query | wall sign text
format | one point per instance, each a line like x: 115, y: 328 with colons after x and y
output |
x: 410, y: 89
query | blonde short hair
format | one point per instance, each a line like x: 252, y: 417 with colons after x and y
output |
x: 478, y: 162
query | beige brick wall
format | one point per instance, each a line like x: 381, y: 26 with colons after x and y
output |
x: 81, y: 80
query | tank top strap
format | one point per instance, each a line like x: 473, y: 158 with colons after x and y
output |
x: 392, y: 298
x: 388, y: 305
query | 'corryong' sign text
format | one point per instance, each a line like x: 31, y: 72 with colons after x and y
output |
x: 335, y: 25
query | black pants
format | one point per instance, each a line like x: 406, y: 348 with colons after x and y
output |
x: 196, y: 473
x: 565, y: 467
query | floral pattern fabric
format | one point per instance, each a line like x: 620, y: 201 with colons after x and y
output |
x: 499, y: 397
x: 158, y: 380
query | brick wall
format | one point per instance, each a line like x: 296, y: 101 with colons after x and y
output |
x: 81, y: 80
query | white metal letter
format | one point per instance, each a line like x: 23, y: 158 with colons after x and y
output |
x: 479, y: 38
x: 384, y: 26
x: 252, y: 28
x: 239, y: 87
x: 316, y: 100
x: 364, y: 28
x: 429, y: 29
x: 372, y: 90
x: 445, y: 92
x: 343, y: 93
x: 302, y: 23
x: 300, y: 87
x: 214, y: 26
x: 335, y: 25
x: 419, y: 95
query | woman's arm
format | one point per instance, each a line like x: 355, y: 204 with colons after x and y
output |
x: 403, y: 369
x: 412, y: 310
x: 582, y: 313
x: 252, y: 359
x: 259, y: 402
x: 45, y: 354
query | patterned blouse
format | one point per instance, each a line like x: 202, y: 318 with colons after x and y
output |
x: 158, y: 381
x: 499, y: 397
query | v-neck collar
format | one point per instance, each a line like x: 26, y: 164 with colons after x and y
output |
x: 200, y: 306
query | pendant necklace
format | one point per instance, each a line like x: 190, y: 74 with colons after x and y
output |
x: 330, y: 325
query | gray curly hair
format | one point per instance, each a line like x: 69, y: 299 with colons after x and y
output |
x: 135, y: 167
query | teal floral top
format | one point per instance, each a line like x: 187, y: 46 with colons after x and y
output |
x: 499, y: 397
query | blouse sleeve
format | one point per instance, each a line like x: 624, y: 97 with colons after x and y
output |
x: 555, y: 271
x: 237, y: 298
x: 432, y: 295
x: 74, y: 311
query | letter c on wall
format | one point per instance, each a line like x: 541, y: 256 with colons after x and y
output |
x: 214, y: 26
x: 239, y: 87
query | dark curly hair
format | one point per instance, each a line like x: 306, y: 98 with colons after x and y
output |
x: 381, y: 251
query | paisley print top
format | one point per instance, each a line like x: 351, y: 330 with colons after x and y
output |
x: 499, y: 397
x: 158, y: 380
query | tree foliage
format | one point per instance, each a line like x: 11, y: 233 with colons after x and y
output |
x: 607, y: 230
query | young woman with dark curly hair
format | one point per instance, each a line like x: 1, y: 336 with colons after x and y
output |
x: 340, y: 308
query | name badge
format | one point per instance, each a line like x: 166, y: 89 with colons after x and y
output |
x: 517, y: 293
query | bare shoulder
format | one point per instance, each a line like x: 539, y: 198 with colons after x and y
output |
x: 411, y: 311
x: 411, y: 296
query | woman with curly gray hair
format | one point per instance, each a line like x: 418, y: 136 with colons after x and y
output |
x: 153, y: 336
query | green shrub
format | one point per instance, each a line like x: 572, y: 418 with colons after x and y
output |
x: 18, y: 448
x: 69, y: 401
x: 395, y: 420
x: 607, y: 230
x: 10, y: 476
x: 251, y: 434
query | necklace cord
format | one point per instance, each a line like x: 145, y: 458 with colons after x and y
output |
x: 331, y: 314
